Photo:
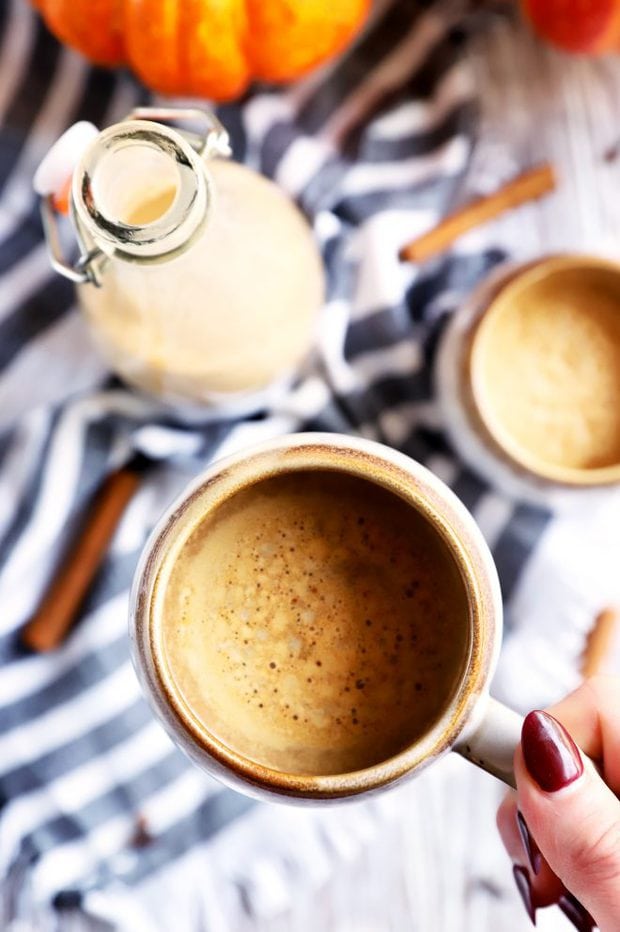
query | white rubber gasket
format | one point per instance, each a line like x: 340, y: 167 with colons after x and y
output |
x: 57, y: 167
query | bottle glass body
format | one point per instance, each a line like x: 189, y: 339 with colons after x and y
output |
x: 208, y: 281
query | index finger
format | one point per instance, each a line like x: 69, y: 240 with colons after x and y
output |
x: 590, y: 714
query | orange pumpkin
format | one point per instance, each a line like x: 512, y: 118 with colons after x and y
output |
x: 590, y: 26
x: 206, y: 48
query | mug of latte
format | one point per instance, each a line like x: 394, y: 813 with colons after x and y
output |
x: 319, y: 617
x: 528, y: 379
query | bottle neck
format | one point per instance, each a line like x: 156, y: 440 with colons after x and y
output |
x: 141, y: 192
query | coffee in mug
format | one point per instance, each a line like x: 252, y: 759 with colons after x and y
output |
x: 314, y: 624
x: 528, y: 375
x: 319, y: 617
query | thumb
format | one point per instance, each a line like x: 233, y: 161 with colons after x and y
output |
x: 572, y: 814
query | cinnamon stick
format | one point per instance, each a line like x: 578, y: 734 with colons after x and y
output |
x: 51, y: 623
x: 530, y: 185
x: 600, y: 642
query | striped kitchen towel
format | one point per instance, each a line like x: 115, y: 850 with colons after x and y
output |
x: 96, y: 805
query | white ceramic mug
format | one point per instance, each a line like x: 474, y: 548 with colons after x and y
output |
x: 466, y: 394
x: 472, y: 724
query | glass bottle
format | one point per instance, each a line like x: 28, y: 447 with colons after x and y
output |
x: 199, y: 277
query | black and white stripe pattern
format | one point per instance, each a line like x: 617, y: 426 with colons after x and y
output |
x: 373, y: 149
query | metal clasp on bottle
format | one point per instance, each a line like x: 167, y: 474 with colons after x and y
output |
x: 212, y: 141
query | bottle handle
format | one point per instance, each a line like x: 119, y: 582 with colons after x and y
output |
x: 492, y: 742
x: 82, y: 270
x: 52, y: 181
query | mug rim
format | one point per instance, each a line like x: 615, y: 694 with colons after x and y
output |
x: 374, y: 462
x: 521, y: 280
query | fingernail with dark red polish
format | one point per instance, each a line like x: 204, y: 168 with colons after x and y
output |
x: 576, y: 913
x: 531, y: 848
x: 550, y: 754
x: 522, y: 880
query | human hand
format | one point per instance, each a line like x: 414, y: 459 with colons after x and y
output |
x: 562, y: 827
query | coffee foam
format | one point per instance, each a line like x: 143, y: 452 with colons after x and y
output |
x: 549, y: 369
x: 315, y: 623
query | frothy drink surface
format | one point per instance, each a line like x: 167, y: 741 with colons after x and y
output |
x: 550, y: 370
x: 315, y: 623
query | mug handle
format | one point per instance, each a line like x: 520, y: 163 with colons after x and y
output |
x: 492, y: 742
